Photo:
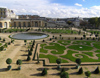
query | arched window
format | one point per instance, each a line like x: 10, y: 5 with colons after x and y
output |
x: 5, y: 25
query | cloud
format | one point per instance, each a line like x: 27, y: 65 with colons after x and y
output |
x: 78, y: 4
x: 83, y: 0
x: 45, y: 8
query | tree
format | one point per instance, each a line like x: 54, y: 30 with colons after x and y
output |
x: 58, y: 61
x: 44, y: 72
x: 0, y: 38
x: 4, y: 40
x: 30, y: 53
x: 96, y: 70
x: 96, y: 35
x: 80, y: 71
x: 19, y: 62
x: 9, y: 61
x: 25, y: 41
x: 64, y: 75
x: 84, y: 36
x: 78, y: 61
x: 88, y: 73
x: 69, y: 22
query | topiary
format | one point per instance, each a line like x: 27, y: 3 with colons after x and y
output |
x: 30, y: 53
x: 9, y: 61
x: 64, y: 75
x: 80, y: 71
x: 88, y: 73
x: 44, y: 72
x: 19, y: 62
x: 43, y: 40
x: 96, y: 70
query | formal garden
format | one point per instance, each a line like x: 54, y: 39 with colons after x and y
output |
x: 87, y: 51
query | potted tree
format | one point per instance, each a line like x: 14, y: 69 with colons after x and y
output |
x: 25, y: 41
x: 78, y: 61
x: 19, y: 62
x: 9, y: 61
x: 58, y: 61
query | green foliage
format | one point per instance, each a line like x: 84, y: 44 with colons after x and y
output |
x: 19, y: 62
x: 89, y: 53
x: 55, y: 46
x: 1, y: 48
x: 88, y: 73
x: 96, y: 70
x: 58, y: 61
x: 78, y: 61
x: 80, y: 71
x: 30, y: 53
x: 60, y: 31
x: 8, y: 61
x: 44, y: 72
x: 42, y: 48
x: 84, y: 48
x: 52, y: 58
x: 64, y: 75
x: 4, y: 40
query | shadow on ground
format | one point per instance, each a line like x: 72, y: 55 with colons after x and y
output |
x: 3, y: 70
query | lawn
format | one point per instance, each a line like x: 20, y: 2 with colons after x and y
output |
x: 56, y: 48
x: 14, y: 30
x: 60, y: 31
x: 80, y: 47
x: 64, y: 42
x: 83, y: 42
x: 52, y: 59
x: 89, y: 53
x: 42, y: 49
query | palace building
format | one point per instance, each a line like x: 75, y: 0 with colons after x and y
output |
x: 9, y: 19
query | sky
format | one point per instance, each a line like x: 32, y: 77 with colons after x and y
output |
x: 54, y: 8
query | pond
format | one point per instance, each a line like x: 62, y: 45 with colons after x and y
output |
x: 28, y: 36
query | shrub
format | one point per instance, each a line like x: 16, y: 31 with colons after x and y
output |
x: 50, y: 39
x: 88, y: 73
x: 78, y: 61
x: 75, y: 38
x: 58, y: 61
x: 81, y: 38
x: 8, y: 43
x: 4, y: 40
x: 19, y: 62
x: 96, y: 70
x: 5, y: 45
x: 1, y: 48
x: 28, y: 58
x: 80, y: 71
x: 9, y: 61
x: 0, y: 38
x: 43, y: 40
x: 29, y: 53
x: 64, y: 75
x: 44, y: 72
x: 93, y: 38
